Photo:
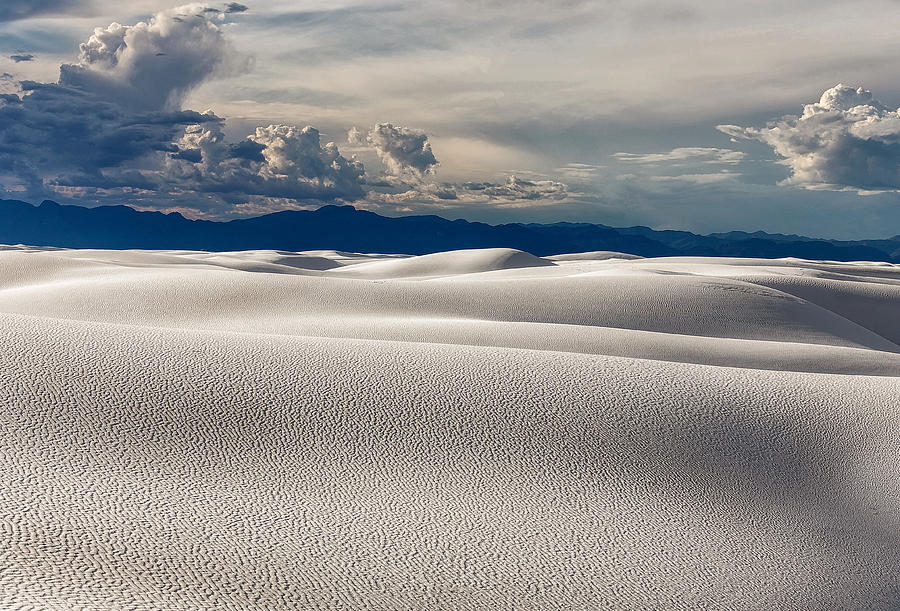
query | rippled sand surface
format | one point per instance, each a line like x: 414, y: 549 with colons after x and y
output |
x: 466, y: 430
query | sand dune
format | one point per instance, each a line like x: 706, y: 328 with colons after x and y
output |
x: 594, y: 255
x: 448, y: 264
x: 467, y: 430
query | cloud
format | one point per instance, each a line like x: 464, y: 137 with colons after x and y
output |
x: 235, y: 7
x: 276, y: 161
x: 22, y: 57
x: 514, y: 193
x: 153, y: 65
x: 13, y: 10
x: 9, y: 87
x: 406, y: 152
x: 684, y: 155
x: 584, y: 172
x: 845, y: 141
x: 120, y: 103
x: 355, y: 136
x: 516, y: 188
x: 54, y: 130
x: 691, y: 163
x: 113, y: 126
x: 113, y: 129
x: 411, y: 163
x: 699, y: 179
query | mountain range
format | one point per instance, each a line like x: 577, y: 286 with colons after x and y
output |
x: 349, y: 229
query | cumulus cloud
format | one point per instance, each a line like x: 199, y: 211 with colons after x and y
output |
x: 411, y: 165
x: 114, y: 105
x: 53, y: 130
x: 276, y: 161
x: 406, y: 152
x: 113, y: 129
x: 846, y: 140
x: 10, y: 87
x: 355, y: 136
x: 153, y: 65
x: 514, y: 193
x: 114, y: 120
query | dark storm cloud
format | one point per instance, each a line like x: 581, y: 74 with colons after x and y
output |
x: 57, y: 128
x: 114, y: 120
x: 114, y: 105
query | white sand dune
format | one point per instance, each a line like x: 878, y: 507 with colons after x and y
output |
x: 594, y: 255
x: 466, y: 430
x: 447, y: 264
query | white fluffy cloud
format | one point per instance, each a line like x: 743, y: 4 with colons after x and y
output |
x: 154, y: 65
x: 846, y: 140
x: 406, y: 152
x: 411, y: 164
x: 276, y: 161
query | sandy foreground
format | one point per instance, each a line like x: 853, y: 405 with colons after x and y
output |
x: 466, y: 430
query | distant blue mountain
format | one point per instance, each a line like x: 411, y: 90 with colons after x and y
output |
x: 349, y: 229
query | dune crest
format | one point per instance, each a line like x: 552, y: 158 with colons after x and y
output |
x: 595, y: 255
x: 450, y: 263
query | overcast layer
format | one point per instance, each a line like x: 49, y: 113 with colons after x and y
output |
x: 745, y: 115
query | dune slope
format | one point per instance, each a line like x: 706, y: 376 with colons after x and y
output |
x: 471, y: 430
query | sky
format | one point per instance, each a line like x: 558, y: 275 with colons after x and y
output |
x: 750, y: 115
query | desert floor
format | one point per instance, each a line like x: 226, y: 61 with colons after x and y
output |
x: 466, y: 430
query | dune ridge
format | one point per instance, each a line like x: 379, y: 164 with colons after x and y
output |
x: 466, y: 430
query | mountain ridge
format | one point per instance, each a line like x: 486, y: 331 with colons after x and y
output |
x: 334, y: 227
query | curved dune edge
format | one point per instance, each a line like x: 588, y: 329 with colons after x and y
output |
x: 185, y: 431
